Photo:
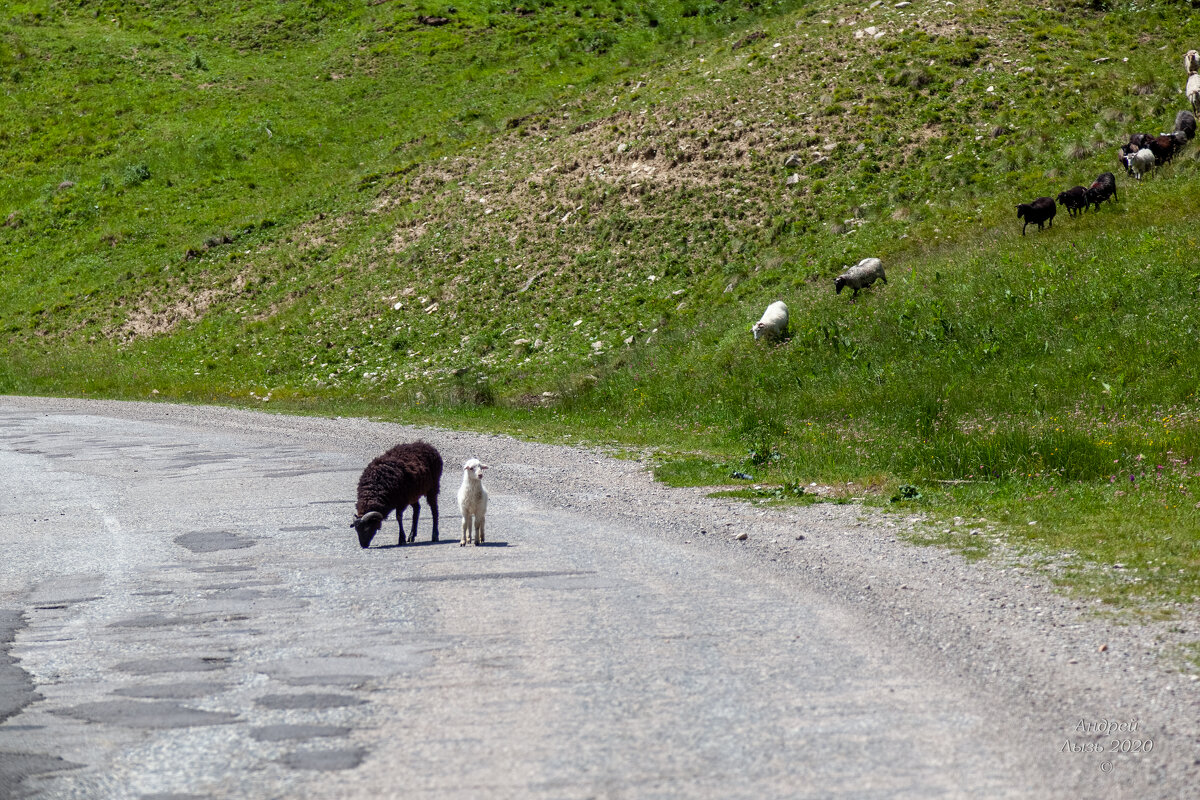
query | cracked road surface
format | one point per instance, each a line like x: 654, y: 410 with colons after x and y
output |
x: 185, y: 613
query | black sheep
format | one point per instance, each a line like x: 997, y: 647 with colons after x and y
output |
x: 398, y: 478
x: 1103, y: 188
x: 1163, y: 147
x: 1186, y: 121
x: 1040, y: 210
x: 1139, y: 140
x: 1075, y: 199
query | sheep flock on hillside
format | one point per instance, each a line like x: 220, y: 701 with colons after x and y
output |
x: 1140, y: 155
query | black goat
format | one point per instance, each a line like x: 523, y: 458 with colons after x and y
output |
x: 398, y: 478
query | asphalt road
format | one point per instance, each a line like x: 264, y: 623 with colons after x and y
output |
x: 185, y: 613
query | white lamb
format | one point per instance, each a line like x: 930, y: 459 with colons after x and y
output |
x: 472, y: 501
x: 774, y: 322
x: 1139, y: 163
x: 1193, y: 91
x: 1191, y: 62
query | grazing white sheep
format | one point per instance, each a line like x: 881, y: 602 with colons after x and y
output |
x: 1193, y: 91
x: 472, y: 501
x: 860, y: 276
x: 1191, y: 62
x: 774, y: 322
x: 1140, y: 163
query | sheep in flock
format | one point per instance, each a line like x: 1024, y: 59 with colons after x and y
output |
x: 774, y: 322
x: 1185, y: 121
x: 860, y: 276
x: 1140, y: 163
x: 1164, y: 148
x: 1040, y: 210
x: 1074, y: 199
x: 1103, y: 188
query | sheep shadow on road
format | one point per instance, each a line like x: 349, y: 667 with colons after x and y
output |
x: 422, y: 543
x: 427, y: 543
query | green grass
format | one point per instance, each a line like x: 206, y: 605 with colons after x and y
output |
x: 562, y: 221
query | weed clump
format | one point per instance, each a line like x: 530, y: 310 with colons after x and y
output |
x: 134, y: 174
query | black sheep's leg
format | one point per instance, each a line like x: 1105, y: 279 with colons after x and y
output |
x: 433, y: 509
x: 412, y: 537
x: 400, y: 522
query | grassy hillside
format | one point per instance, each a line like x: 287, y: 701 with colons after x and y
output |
x: 562, y: 219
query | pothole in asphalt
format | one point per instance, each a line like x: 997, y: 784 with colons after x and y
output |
x: 284, y: 733
x: 483, y: 576
x: 325, y: 760
x: 199, y: 459
x: 173, y: 691
x: 165, y: 620
x: 59, y: 605
x: 154, y: 666
x: 346, y: 671
x: 212, y: 541
x: 309, y: 701
x: 156, y: 715
x: 16, y: 767
x: 224, y: 587
x: 233, y: 609
x: 300, y: 473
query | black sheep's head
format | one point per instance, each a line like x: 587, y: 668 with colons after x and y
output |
x: 838, y: 285
x: 367, y: 526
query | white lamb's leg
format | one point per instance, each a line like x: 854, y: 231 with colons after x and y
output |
x: 479, y: 530
x: 465, y: 531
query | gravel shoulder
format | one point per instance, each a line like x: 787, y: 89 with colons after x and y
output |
x: 1046, y: 663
